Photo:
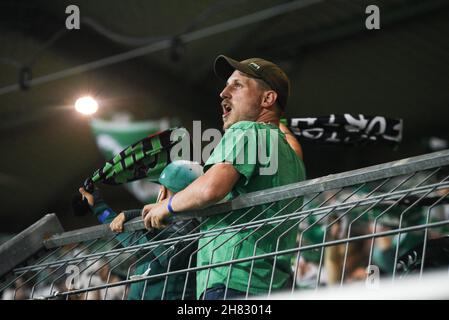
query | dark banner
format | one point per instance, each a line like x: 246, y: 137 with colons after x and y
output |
x: 348, y: 129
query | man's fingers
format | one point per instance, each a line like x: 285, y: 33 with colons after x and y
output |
x: 113, y: 227
x: 87, y: 195
x: 157, y: 222
x: 120, y: 225
x: 147, y: 222
x: 82, y: 191
x: 146, y: 209
x: 145, y: 212
x: 154, y: 222
x: 117, y: 224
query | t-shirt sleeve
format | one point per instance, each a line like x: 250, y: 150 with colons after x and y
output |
x: 239, y: 148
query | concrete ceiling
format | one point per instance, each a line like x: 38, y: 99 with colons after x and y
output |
x: 335, y: 64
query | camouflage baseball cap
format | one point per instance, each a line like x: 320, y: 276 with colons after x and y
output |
x: 258, y: 68
x: 179, y: 174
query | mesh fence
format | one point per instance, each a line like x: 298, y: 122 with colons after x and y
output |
x: 388, y: 221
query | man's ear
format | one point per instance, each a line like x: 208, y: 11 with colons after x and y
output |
x: 163, y: 193
x: 269, y: 98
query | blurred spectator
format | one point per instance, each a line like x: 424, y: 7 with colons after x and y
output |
x: 174, y: 178
x: 20, y: 291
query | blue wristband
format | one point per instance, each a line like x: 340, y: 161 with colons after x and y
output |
x: 102, y: 217
x: 169, y: 207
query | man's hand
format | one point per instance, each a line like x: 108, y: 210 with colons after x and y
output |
x: 87, y: 195
x: 117, y: 224
x: 154, y: 214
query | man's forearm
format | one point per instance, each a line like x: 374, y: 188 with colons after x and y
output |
x: 191, y: 199
x: 207, y: 189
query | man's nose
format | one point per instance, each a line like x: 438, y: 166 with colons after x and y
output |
x: 225, y: 93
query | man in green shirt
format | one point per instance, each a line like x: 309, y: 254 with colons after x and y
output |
x: 253, y: 155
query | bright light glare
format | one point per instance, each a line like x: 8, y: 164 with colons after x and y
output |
x: 86, y: 105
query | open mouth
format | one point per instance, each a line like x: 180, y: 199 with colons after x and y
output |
x: 226, y: 109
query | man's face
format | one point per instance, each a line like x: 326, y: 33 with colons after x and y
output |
x: 242, y: 97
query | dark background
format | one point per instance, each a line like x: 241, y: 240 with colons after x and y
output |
x: 335, y: 64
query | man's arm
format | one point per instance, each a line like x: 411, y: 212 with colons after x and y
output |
x: 98, y: 207
x: 106, y: 215
x: 208, y: 189
x: 294, y: 144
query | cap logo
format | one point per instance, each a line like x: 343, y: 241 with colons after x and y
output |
x: 254, y: 66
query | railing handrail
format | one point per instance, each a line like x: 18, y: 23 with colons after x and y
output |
x: 28, y: 242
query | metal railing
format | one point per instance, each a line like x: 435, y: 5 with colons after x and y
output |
x: 388, y: 221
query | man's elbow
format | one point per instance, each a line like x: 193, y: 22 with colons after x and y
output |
x: 217, y: 183
x: 211, y: 195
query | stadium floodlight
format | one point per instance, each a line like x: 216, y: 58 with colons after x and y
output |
x: 86, y: 105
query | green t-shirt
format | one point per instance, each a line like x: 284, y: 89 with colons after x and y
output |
x: 250, y: 148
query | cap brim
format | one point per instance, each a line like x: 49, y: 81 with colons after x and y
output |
x: 225, y: 66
